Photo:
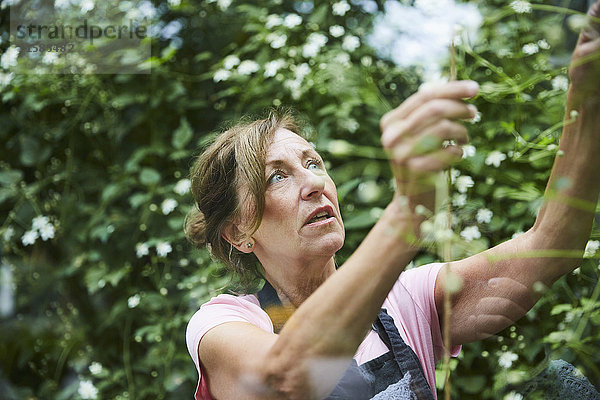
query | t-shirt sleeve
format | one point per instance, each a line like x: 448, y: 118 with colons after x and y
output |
x: 421, y: 281
x: 219, y: 310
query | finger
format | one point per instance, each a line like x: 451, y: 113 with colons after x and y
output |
x: 425, y: 117
x: 430, y: 141
x: 592, y: 30
x: 437, y: 161
x: 451, y: 90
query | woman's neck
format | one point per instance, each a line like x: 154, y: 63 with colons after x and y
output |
x: 295, y: 285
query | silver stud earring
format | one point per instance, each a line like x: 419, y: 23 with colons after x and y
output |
x: 249, y: 244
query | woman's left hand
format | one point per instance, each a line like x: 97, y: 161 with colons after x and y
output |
x: 414, y: 134
x: 584, y: 70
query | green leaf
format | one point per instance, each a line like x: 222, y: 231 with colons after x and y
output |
x: 110, y: 192
x: 347, y: 187
x: 472, y: 384
x: 138, y: 199
x: 362, y: 219
x: 182, y: 135
x: 32, y: 151
x: 5, y: 194
x: 149, y: 176
x: 560, y: 308
x: 10, y: 177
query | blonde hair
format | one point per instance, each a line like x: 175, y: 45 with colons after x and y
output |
x: 234, y: 161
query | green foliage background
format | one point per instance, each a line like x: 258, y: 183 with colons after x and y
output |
x: 98, y: 154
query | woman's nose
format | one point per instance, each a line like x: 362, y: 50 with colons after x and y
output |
x: 312, y: 186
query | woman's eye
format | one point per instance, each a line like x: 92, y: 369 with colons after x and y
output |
x: 277, y: 177
x: 314, y: 165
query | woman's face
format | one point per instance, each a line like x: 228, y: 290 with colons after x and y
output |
x: 301, y: 219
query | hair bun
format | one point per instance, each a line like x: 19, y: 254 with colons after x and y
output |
x: 194, y: 227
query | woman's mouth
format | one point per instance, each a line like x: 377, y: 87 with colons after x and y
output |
x: 320, y: 217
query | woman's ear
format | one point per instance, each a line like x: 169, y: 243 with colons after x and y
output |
x: 237, y: 239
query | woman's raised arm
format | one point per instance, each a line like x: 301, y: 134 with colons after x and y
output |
x: 498, y: 284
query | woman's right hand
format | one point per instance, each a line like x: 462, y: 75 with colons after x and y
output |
x: 414, y: 136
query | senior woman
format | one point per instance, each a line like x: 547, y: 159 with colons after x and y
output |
x: 267, y: 207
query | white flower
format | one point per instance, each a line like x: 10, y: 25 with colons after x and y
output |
x: 141, y: 249
x: 272, y: 67
x: 543, y: 44
x: 8, y: 234
x: 317, y: 38
x: 273, y: 20
x: 591, y: 248
x: 9, y: 58
x: 468, y: 151
x: 350, y: 43
x: 276, y: 40
x: 336, y: 30
x: 521, y: 7
x: 168, y: 205
x: 223, y: 4
x: 95, y: 368
x: 560, y: 82
x: 513, y: 396
x: 247, y: 67
x: 50, y: 57
x: 171, y: 29
x: 507, y: 358
x: 6, y: 79
x: 292, y: 20
x: 463, y: 183
x: 182, y: 187
x: 301, y: 71
x: 530, y: 48
x: 314, y: 42
x: 476, y: 118
x: 163, y: 248
x: 47, y: 232
x: 495, y: 158
x: 133, y: 301
x: 87, y: 390
x: 454, y: 173
x: 230, y: 61
x: 484, y: 216
x: 294, y: 85
x: 310, y: 50
x: 87, y: 5
x: 470, y: 233
x: 349, y: 124
x: 29, y: 237
x: 61, y: 4
x: 39, y: 222
x: 146, y: 9
x: 221, y: 75
x: 459, y: 200
x: 340, y: 8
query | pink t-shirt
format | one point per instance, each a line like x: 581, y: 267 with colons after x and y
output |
x: 410, y: 303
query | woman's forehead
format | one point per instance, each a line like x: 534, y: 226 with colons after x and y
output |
x: 286, y: 142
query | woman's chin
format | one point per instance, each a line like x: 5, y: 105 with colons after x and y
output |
x: 327, y: 245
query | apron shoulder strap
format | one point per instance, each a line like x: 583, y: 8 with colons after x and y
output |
x: 271, y: 304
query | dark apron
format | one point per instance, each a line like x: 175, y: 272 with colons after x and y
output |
x: 395, y: 375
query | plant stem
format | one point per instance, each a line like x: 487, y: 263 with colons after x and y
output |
x: 447, y: 254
